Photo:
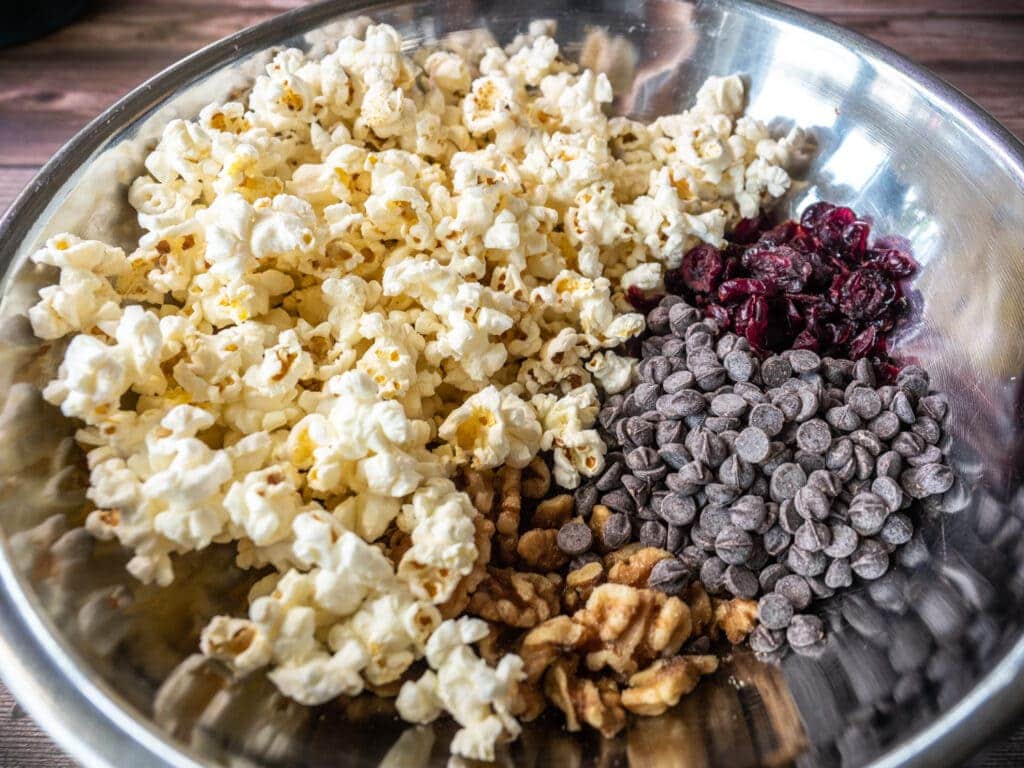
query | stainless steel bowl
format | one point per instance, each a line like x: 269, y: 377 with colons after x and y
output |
x: 105, y: 665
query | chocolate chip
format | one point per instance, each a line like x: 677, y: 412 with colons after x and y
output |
x: 733, y: 545
x: 870, y: 560
x: 786, y: 481
x: 712, y: 575
x: 775, y: 370
x: 677, y: 382
x: 670, y: 576
x: 748, y: 513
x: 889, y: 491
x: 740, y: 582
x: 616, y: 531
x: 867, y: 513
x: 686, y: 402
x: 844, y: 541
x: 804, y: 630
x: 776, y: 540
x: 865, y: 402
x: 806, y: 563
x: 574, y: 537
x: 839, y: 574
x: 653, y: 534
x: 795, y: 589
x: 813, y: 536
x: 897, y: 530
x: 584, y: 499
x: 811, y: 504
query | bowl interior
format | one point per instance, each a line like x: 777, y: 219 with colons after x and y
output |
x: 889, y: 144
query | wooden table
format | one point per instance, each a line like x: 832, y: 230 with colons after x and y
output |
x: 51, y: 88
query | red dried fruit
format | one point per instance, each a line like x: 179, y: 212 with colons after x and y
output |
x: 893, y: 262
x: 748, y: 230
x: 741, y: 288
x: 855, y: 236
x: 813, y: 214
x: 751, y: 320
x: 641, y: 301
x: 719, y: 314
x: 786, y: 267
x: 701, y: 268
x: 865, y: 294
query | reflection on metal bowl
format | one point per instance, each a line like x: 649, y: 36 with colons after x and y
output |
x: 920, y: 669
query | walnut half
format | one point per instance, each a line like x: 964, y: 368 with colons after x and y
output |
x: 661, y: 685
x: 596, y: 704
x: 516, y: 599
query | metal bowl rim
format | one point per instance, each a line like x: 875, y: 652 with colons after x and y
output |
x: 44, y: 675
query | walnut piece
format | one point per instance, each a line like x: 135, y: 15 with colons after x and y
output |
x: 598, y: 517
x: 701, y: 612
x: 661, y: 685
x: 632, y: 627
x: 543, y: 644
x: 736, y: 618
x: 584, y: 700
x: 468, y: 584
x: 479, y: 486
x: 538, y: 550
x: 579, y: 585
x: 516, y: 599
x: 553, y: 512
x: 536, y: 480
x: 635, y: 568
x: 509, y: 507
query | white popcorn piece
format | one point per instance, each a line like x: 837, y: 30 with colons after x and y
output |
x: 476, y: 695
x: 492, y: 428
x: 577, y: 449
x: 440, y: 521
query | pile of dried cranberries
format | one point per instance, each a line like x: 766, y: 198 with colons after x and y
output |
x: 815, y: 284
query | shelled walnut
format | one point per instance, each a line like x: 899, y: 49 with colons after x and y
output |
x: 516, y: 599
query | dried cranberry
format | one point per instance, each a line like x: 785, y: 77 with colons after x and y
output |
x: 813, y: 214
x: 865, y: 294
x: 893, y: 262
x: 864, y: 344
x: 780, y: 234
x: 830, y: 229
x: 740, y: 288
x: 751, y: 320
x: 701, y: 268
x: 748, y: 230
x: 806, y: 340
x: 786, y: 267
x: 855, y: 236
x: 641, y: 301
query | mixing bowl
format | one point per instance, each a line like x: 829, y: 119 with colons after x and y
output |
x: 918, y: 671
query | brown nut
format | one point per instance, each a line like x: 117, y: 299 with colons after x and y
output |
x: 548, y: 641
x: 479, y: 485
x: 583, y: 700
x: 553, y: 512
x: 396, y: 543
x: 636, y: 568
x: 509, y: 508
x: 598, y: 517
x: 701, y: 611
x: 468, y: 584
x: 516, y: 599
x: 736, y: 618
x: 579, y: 584
x: 661, y: 685
x: 538, y: 550
x: 630, y: 627
x: 536, y: 480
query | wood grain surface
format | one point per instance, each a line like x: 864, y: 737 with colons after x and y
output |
x: 51, y: 87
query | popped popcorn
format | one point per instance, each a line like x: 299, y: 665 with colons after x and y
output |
x: 366, y: 273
